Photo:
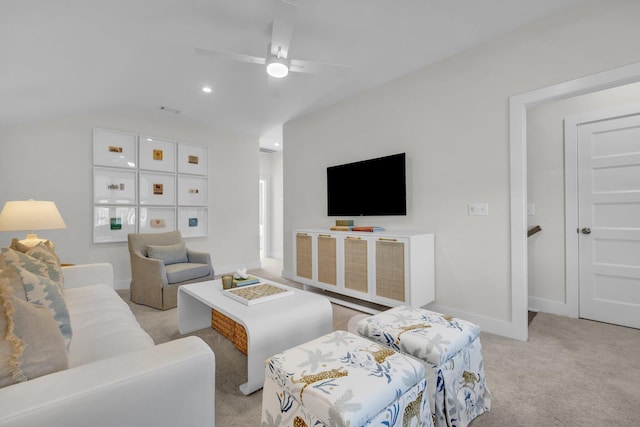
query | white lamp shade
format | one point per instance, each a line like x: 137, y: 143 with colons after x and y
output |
x: 29, y: 215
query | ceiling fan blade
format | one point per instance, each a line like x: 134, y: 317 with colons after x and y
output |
x: 304, y: 66
x: 241, y: 57
x: 283, y: 25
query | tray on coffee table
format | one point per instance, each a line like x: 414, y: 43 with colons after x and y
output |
x: 258, y: 293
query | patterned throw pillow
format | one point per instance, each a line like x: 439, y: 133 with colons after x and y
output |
x: 31, y: 345
x: 13, y: 279
x: 45, y: 292
x: 44, y: 253
x: 15, y: 244
x: 34, y: 264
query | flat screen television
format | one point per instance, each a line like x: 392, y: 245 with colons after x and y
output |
x: 373, y: 187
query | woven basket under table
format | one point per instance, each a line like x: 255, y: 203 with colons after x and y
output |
x: 230, y: 329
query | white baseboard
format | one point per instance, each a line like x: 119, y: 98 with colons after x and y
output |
x: 287, y: 274
x: 276, y: 255
x: 552, y: 307
x: 487, y: 324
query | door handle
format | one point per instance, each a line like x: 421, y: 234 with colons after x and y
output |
x: 586, y: 230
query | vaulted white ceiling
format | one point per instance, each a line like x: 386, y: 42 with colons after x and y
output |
x: 63, y: 57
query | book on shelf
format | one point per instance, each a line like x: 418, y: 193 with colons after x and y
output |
x: 250, y: 280
x: 367, y: 228
x: 341, y: 228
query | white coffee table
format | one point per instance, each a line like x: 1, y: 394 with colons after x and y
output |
x: 272, y: 326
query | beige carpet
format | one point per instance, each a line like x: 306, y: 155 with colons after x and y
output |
x: 571, y: 372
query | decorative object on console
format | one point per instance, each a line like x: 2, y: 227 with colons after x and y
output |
x: 341, y: 228
x: 30, y: 215
x: 369, y: 229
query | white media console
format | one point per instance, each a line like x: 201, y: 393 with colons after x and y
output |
x: 386, y: 268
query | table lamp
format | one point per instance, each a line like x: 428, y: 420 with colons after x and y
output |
x: 30, y: 215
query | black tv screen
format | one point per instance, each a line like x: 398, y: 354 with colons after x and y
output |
x: 369, y: 187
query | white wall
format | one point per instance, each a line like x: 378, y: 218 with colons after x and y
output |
x: 53, y: 161
x: 271, y: 170
x: 545, y: 156
x: 452, y: 121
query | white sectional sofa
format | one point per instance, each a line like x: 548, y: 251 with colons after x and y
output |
x: 116, y: 375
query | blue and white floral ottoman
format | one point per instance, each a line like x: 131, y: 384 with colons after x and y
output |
x: 342, y: 379
x: 451, y: 351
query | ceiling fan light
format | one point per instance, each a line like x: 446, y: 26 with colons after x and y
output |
x: 277, y: 67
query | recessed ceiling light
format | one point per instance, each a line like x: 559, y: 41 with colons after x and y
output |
x: 277, y: 144
x: 149, y: 139
x: 206, y: 89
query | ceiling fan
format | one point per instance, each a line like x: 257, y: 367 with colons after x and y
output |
x: 277, y: 61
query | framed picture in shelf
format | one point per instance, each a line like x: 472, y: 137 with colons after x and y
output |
x: 158, y: 189
x: 192, y: 190
x: 113, y: 223
x: 193, y: 222
x: 157, y: 220
x: 114, y: 149
x: 157, y: 154
x: 113, y: 186
x: 192, y: 159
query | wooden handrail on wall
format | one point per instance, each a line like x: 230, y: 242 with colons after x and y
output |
x: 533, y: 230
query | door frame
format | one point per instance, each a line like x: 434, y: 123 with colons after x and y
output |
x: 572, y: 260
x: 518, y: 106
x: 266, y: 232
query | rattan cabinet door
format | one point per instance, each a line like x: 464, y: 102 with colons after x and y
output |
x: 390, y: 269
x: 356, y: 265
x: 327, y: 259
x: 304, y: 256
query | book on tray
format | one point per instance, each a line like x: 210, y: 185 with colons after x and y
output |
x: 250, y: 280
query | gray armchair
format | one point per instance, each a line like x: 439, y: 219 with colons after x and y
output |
x: 160, y: 263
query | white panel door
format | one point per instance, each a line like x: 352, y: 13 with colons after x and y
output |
x: 609, y: 220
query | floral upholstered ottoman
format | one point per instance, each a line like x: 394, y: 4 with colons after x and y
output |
x: 342, y: 379
x: 452, y: 354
